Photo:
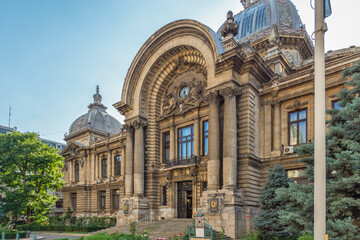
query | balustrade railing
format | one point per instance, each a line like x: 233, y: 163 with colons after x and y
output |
x: 180, y: 161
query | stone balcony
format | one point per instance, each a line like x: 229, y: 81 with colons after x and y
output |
x: 181, y: 162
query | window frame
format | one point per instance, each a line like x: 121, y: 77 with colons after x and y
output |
x: 298, y: 121
x: 73, y: 198
x: 77, y: 172
x: 104, y: 172
x: 117, y: 165
x: 186, y: 141
x: 114, y: 191
x: 205, y: 137
x: 333, y: 104
x: 163, y: 196
x: 102, y: 200
x: 165, y: 145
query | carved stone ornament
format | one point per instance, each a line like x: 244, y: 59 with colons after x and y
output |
x: 297, y: 105
x: 82, y: 161
x: 230, y: 92
x: 274, y: 39
x: 213, y: 97
x: 168, y: 176
x: 183, y: 95
x: 230, y: 27
x: 139, y: 123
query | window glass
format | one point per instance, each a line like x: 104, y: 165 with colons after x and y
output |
x: 164, y: 196
x: 116, y: 199
x: 293, y: 116
x: 298, y: 127
x: 73, y: 201
x: 302, y: 115
x: 302, y: 132
x: 186, y: 142
x: 117, y: 165
x: 335, y: 104
x: 293, y: 134
x: 77, y: 172
x: 166, y: 146
x: 104, y: 168
x: 102, y: 200
x: 206, y: 138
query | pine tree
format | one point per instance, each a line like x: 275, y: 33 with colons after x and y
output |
x: 268, y: 220
x: 343, y: 170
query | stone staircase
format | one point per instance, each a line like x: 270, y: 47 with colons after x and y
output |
x: 165, y: 228
x: 160, y: 229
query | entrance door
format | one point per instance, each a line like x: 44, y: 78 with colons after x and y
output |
x: 185, y: 200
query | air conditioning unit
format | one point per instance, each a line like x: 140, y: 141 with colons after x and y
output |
x: 289, y: 150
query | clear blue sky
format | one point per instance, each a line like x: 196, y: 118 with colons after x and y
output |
x: 53, y: 53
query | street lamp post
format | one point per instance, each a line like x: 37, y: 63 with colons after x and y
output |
x: 320, y: 128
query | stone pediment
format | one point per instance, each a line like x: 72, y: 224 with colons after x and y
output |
x: 186, y: 92
x: 72, y: 148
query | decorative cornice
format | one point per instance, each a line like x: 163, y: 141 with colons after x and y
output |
x: 122, y: 107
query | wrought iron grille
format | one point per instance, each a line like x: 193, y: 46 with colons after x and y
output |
x: 180, y: 161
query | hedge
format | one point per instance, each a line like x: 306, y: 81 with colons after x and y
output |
x: 58, y: 228
x: 12, y: 234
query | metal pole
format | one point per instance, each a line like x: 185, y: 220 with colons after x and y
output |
x: 320, y: 128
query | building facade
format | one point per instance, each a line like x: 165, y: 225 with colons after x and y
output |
x: 206, y: 115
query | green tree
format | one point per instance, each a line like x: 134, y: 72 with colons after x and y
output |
x: 268, y: 220
x: 343, y: 170
x: 29, y: 171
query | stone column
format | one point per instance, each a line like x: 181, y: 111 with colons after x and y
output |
x: 214, y: 142
x: 139, y: 158
x: 230, y: 137
x: 267, y: 126
x: 129, y: 180
x: 197, y: 137
x: 110, y: 171
x: 277, y: 127
x: 172, y: 143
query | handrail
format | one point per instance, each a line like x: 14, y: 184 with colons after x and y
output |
x: 146, y: 219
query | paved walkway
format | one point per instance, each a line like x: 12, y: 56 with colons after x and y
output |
x: 52, y: 235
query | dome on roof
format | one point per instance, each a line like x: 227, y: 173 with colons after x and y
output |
x: 96, y: 118
x: 260, y: 15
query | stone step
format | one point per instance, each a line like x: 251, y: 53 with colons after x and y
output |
x: 166, y: 228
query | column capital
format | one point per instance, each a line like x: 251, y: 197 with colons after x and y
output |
x: 213, y: 97
x: 139, y: 123
x: 127, y: 127
x: 229, y: 92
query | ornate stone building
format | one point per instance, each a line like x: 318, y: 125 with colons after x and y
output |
x: 206, y: 114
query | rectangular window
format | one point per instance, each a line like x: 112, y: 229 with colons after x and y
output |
x: 104, y: 167
x: 116, y: 199
x: 186, y: 142
x: 73, y: 200
x: 102, y: 200
x: 298, y: 127
x: 205, y: 138
x: 335, y: 104
x: 297, y: 175
x: 77, y: 172
x: 164, y: 196
x: 59, y: 203
x: 117, y: 165
x: 166, y: 146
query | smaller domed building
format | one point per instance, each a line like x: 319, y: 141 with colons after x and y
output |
x: 93, y: 162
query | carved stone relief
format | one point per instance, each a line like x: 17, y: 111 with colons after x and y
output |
x: 185, y: 92
x: 297, y: 105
